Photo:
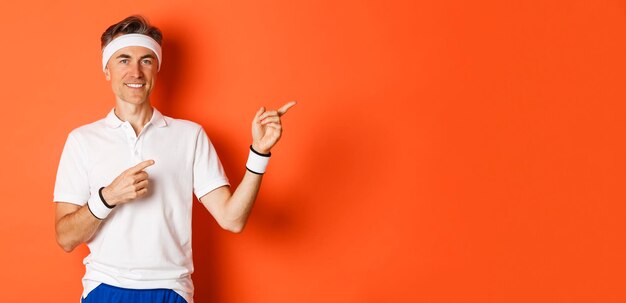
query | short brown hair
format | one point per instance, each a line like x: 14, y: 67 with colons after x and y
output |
x: 135, y: 24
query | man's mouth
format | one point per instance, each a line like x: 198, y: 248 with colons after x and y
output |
x: 135, y: 85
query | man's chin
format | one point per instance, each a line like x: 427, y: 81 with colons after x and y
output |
x: 135, y: 100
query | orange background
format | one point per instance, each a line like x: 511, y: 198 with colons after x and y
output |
x: 441, y: 151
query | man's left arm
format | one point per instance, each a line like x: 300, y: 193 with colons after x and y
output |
x: 232, y: 210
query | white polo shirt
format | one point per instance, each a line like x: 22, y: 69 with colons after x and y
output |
x: 145, y: 243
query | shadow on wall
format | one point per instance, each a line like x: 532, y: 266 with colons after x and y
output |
x: 279, y: 218
x: 169, y: 76
x: 299, y: 212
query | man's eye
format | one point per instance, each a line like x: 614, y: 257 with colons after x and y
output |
x: 147, y: 61
x: 124, y: 61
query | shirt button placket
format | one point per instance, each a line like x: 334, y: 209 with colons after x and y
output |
x: 135, y: 150
x: 132, y: 143
x: 138, y: 150
x: 137, y: 156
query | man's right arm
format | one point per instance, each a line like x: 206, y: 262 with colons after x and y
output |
x: 76, y: 224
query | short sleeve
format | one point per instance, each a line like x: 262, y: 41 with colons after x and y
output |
x: 72, y: 184
x: 208, y: 173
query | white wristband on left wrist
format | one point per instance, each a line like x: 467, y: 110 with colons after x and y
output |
x: 257, y: 162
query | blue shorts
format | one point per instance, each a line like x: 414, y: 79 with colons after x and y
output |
x: 105, y: 293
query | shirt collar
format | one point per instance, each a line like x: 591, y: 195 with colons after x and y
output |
x: 157, y: 119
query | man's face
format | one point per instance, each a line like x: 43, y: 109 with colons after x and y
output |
x: 132, y: 71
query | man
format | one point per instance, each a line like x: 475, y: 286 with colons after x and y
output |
x: 125, y: 183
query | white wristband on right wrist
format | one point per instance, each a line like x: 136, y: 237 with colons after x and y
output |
x: 97, y: 207
x: 257, y: 162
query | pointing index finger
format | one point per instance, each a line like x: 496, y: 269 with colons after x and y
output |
x: 284, y: 108
x: 141, y: 166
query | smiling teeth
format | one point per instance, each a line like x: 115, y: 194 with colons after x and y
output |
x: 134, y: 85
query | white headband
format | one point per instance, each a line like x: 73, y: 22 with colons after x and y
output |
x: 130, y: 40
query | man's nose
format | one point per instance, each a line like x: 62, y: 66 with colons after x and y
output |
x: 135, y: 70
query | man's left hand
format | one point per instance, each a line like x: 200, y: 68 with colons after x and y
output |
x: 266, y: 128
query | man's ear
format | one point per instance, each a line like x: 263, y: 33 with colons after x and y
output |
x: 107, y: 74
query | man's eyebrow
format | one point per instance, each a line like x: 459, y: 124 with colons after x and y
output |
x: 126, y: 56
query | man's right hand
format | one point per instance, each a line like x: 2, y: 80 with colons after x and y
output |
x: 129, y: 185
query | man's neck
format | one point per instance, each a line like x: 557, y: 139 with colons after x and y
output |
x: 136, y: 114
